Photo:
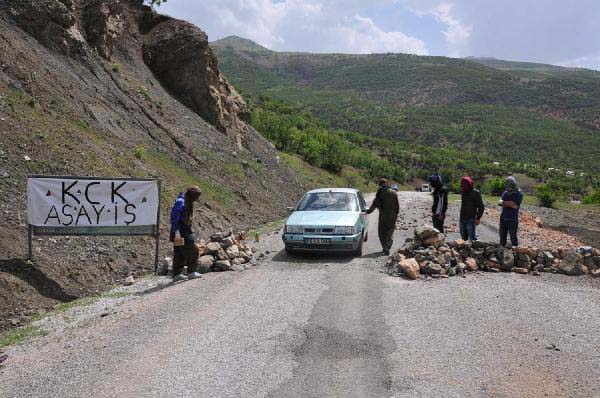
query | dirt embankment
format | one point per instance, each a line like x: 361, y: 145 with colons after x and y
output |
x: 104, y: 88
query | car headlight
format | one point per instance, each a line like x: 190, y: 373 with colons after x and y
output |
x: 293, y: 229
x: 345, y: 230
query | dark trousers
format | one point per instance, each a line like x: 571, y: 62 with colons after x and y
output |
x: 467, y: 229
x: 186, y: 255
x: 438, y: 224
x: 509, y: 227
x: 386, y: 234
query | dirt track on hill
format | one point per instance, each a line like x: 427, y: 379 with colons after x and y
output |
x: 323, y: 325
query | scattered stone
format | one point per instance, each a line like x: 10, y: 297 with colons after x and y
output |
x: 520, y: 270
x: 409, y: 267
x: 430, y: 268
x: 129, y: 281
x: 165, y: 265
x: 233, y: 252
x: 26, y: 158
x: 213, y: 247
x: 221, y: 265
x: 471, y: 264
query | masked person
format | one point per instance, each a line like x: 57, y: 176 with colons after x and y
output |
x: 509, y: 219
x: 440, y: 202
x: 386, y: 201
x: 471, y: 209
x: 184, y: 248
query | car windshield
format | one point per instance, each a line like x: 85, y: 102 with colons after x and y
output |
x: 328, y: 201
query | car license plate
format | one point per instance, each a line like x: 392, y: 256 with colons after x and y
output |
x: 318, y: 241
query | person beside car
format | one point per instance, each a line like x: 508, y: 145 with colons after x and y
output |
x: 511, y: 201
x: 471, y: 209
x: 386, y: 201
x: 440, y: 202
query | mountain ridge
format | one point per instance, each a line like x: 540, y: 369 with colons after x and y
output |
x: 435, y: 100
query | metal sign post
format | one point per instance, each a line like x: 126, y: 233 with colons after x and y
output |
x: 70, y: 205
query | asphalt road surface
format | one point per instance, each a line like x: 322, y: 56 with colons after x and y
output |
x: 329, y: 326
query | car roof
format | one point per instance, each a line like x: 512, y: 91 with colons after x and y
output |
x: 346, y: 190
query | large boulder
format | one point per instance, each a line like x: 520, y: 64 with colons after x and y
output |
x: 506, y: 259
x: 425, y: 232
x: 205, y: 263
x: 409, y: 267
x: 179, y: 55
x: 572, y: 264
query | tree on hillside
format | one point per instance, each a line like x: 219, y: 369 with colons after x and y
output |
x: 156, y: 3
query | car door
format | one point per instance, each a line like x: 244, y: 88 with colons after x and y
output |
x: 363, y: 207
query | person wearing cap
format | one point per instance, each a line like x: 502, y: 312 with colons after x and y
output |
x: 471, y: 209
x: 185, y: 250
x: 511, y: 201
x: 440, y: 202
x: 386, y: 201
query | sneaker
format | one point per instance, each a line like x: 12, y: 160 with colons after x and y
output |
x: 180, y: 277
x: 194, y: 275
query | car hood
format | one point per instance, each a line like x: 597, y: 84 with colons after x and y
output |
x: 323, y: 218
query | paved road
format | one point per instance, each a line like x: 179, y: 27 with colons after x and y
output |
x: 329, y: 326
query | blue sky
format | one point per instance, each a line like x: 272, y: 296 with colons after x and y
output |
x: 550, y: 31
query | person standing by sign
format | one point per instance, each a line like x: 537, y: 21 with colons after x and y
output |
x: 183, y: 238
x: 386, y: 201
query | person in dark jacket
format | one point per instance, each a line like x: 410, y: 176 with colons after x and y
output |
x: 471, y: 209
x: 509, y: 219
x: 182, y: 217
x: 386, y: 201
x: 440, y: 202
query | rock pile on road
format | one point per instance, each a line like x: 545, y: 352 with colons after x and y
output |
x: 429, y: 254
x: 222, y: 252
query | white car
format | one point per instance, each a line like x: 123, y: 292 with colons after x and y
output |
x: 425, y: 188
x: 328, y: 219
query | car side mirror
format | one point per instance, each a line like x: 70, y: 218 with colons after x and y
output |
x: 290, y: 210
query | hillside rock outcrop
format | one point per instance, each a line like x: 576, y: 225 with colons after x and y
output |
x: 179, y: 55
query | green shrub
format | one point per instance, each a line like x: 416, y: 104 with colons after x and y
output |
x: 545, y: 196
x: 494, y: 186
x: 592, y: 197
x: 143, y: 92
x: 140, y: 151
x: 116, y: 67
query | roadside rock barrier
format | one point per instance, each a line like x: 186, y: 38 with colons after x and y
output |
x: 225, y: 252
x: 428, y: 254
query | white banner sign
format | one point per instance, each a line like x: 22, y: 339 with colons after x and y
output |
x: 92, y: 205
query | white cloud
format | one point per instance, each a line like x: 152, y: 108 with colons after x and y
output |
x: 586, y: 61
x: 361, y: 35
x: 296, y: 25
x: 457, y: 33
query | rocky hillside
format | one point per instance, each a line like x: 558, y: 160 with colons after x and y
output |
x: 516, y: 111
x: 108, y: 88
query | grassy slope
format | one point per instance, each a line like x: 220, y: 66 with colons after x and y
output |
x: 435, y: 100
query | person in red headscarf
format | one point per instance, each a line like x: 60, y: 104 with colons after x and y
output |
x: 471, y: 209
